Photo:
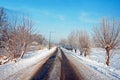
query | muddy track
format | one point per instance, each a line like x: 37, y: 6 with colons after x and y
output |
x: 43, y: 72
x: 67, y: 71
x: 57, y: 67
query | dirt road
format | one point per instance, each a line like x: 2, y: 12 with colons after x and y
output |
x: 57, y: 67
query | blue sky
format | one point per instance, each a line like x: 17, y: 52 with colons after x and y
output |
x: 64, y: 16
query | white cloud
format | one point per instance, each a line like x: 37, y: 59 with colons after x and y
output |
x: 87, y: 18
x: 47, y: 13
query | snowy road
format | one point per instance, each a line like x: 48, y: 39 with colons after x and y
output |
x: 56, y: 64
x: 57, y: 67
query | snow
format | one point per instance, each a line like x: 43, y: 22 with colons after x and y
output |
x: 96, y: 62
x: 29, y: 59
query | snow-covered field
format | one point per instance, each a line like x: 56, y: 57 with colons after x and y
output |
x: 99, y: 56
x: 29, y: 59
x: 96, y: 62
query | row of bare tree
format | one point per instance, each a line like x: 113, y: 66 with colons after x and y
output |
x: 106, y: 36
x: 16, y: 35
x: 78, y: 40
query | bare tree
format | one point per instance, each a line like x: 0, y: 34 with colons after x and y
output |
x: 107, y: 36
x: 3, y: 24
x: 72, y: 40
x: 17, y: 38
x: 40, y: 39
x: 3, y: 18
x: 63, y: 42
x: 84, y: 42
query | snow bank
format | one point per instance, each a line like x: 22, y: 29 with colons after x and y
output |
x: 96, y: 62
x: 29, y: 59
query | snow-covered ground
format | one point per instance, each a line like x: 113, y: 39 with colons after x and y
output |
x: 100, y: 56
x: 29, y: 59
x: 96, y: 62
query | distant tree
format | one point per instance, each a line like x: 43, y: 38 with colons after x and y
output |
x: 40, y: 39
x: 72, y: 40
x: 107, y: 36
x: 63, y: 42
x: 84, y: 42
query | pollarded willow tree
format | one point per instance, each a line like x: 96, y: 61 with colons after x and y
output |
x: 72, y: 40
x: 84, y: 42
x: 107, y: 36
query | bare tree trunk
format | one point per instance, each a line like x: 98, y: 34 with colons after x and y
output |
x: 75, y: 50
x: 85, y: 52
x: 81, y: 52
x: 21, y: 56
x: 108, y: 56
x: 24, y: 50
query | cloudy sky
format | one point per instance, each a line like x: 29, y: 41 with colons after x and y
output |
x: 63, y: 16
